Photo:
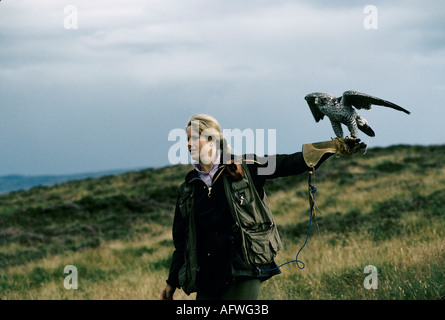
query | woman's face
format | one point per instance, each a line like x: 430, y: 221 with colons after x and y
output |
x: 196, y: 143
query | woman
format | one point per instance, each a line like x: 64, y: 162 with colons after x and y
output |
x: 223, y: 231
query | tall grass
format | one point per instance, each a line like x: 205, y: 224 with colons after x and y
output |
x: 385, y: 208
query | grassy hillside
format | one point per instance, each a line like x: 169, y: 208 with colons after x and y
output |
x: 385, y: 208
x: 19, y: 182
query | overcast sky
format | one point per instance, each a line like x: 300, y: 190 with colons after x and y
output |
x: 107, y: 94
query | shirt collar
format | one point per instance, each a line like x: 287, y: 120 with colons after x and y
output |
x: 208, y: 176
x: 215, y: 165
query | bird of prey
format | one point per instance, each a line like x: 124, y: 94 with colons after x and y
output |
x: 341, y: 110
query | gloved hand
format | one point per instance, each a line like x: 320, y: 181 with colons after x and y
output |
x: 313, y: 152
x: 349, y: 145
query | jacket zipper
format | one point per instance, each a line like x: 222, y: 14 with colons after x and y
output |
x: 216, y: 176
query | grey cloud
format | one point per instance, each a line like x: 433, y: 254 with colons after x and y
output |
x: 106, y: 95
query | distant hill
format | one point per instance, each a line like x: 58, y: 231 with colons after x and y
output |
x: 384, y: 208
x: 17, y: 182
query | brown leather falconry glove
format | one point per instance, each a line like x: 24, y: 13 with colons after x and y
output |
x: 313, y: 152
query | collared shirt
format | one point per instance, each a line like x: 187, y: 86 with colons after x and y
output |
x: 208, y: 176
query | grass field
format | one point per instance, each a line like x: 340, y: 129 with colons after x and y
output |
x: 385, y: 208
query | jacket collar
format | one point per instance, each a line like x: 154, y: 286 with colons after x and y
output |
x: 193, y: 175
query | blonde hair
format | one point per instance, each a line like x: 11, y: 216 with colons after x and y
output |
x: 209, y: 124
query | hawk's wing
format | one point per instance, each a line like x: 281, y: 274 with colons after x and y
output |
x: 364, y: 101
x: 310, y: 98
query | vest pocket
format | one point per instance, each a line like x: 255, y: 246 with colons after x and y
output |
x: 243, y: 202
x: 260, y: 247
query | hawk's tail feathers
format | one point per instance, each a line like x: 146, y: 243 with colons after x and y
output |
x: 366, y: 129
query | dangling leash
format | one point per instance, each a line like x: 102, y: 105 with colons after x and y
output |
x: 312, y: 190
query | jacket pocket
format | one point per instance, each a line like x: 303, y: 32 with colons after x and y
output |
x: 187, y: 278
x: 185, y: 203
x: 182, y: 276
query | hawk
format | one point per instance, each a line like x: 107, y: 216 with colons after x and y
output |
x: 341, y: 110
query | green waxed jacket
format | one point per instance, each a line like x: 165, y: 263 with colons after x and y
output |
x: 252, y: 217
x: 229, y: 233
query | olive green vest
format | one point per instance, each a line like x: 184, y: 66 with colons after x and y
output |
x: 253, y: 217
